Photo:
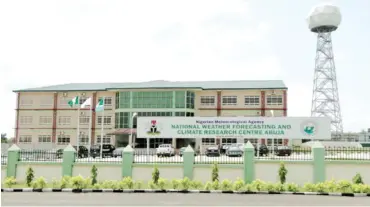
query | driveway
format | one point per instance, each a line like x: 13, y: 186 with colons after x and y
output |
x: 152, y: 199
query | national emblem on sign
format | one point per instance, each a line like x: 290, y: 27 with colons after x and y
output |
x: 153, y: 130
x: 309, y: 129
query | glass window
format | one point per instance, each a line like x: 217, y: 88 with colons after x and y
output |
x: 228, y: 140
x: 180, y: 99
x: 251, y: 100
x: 152, y: 99
x: 191, y: 114
x: 63, y: 139
x: 179, y: 113
x: 64, y: 120
x: 278, y: 142
x: 106, y: 139
x: 123, y: 99
x: 107, y: 120
x: 25, y: 139
x: 208, y: 141
x: 190, y: 100
x: 45, y: 120
x: 26, y: 120
x: 83, y: 139
x: 122, y: 120
x: 107, y: 100
x: 274, y: 100
x: 207, y: 100
x: 44, y: 138
x: 229, y: 100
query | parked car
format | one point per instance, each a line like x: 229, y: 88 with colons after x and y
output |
x: 212, y: 151
x: 182, y: 149
x: 118, y: 152
x: 234, y: 150
x: 107, y: 150
x: 224, y: 148
x: 82, y: 152
x: 165, y: 150
x: 263, y: 150
x: 282, y: 151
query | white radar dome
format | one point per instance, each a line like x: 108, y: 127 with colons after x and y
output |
x: 324, y: 18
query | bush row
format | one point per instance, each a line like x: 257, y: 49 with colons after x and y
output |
x: 79, y: 182
x: 91, y: 182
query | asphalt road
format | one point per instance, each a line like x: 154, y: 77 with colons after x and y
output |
x: 123, y: 199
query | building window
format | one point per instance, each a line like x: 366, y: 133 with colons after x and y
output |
x: 253, y: 141
x: 25, y: 120
x: 190, y: 114
x: 229, y: 100
x: 180, y: 101
x: 83, y: 139
x: 155, y: 113
x: 45, y: 120
x: 208, y: 141
x: 278, y: 142
x: 107, y: 120
x: 251, y: 100
x: 107, y: 101
x: 64, y: 120
x: 84, y: 119
x: 44, y: 138
x: 26, y: 102
x: 190, y: 100
x: 123, y: 100
x: 25, y: 139
x: 228, y: 140
x: 63, y: 139
x: 207, y: 100
x: 152, y: 99
x: 275, y: 100
x: 46, y: 101
x: 180, y: 113
x: 122, y: 120
x: 106, y: 139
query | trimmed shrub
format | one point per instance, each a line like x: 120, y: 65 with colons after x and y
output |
x: 357, y: 179
x: 238, y: 184
x: 39, y: 183
x: 94, y: 175
x: 155, y: 175
x: 10, y: 181
x: 215, y: 172
x: 282, y: 173
x: 175, y: 184
x: 29, y: 176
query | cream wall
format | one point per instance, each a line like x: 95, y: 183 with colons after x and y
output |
x: 31, y: 100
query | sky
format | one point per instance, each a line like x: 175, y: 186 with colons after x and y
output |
x: 48, y: 42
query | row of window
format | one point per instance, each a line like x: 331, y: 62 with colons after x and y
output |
x: 63, y: 120
x: 212, y: 141
x: 271, y: 100
x: 64, y: 139
x: 48, y: 101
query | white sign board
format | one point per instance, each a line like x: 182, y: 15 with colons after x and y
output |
x: 234, y: 127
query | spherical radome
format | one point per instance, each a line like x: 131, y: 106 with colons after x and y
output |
x: 324, y: 17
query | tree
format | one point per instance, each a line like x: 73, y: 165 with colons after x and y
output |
x: 4, y: 138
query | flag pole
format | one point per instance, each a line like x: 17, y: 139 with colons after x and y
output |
x: 90, y: 131
x: 78, y: 126
x: 102, y: 129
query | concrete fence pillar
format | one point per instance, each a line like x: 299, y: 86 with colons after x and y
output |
x: 188, y: 162
x: 249, y: 170
x: 318, y: 154
x: 69, y: 157
x: 12, y: 162
x: 127, y: 161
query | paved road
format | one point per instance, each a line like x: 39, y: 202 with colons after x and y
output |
x: 120, y: 199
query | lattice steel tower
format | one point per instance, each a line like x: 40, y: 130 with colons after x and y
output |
x: 323, y: 20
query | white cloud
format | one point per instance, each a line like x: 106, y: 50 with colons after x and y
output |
x: 51, y: 42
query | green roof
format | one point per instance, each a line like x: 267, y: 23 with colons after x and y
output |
x: 161, y: 84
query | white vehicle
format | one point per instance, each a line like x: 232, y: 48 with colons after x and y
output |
x: 165, y: 150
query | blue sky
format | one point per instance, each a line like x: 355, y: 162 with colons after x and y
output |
x: 54, y: 42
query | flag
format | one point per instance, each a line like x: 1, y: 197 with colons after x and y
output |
x: 74, y: 101
x: 100, y: 105
x: 86, y: 104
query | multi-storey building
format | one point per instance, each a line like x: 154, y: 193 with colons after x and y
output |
x: 45, y: 120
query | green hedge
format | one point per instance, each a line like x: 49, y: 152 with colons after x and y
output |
x: 79, y: 182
